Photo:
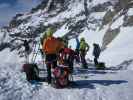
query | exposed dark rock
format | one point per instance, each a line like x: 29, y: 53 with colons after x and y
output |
x: 109, y: 36
x: 4, y: 45
x: 128, y: 21
x: 108, y: 17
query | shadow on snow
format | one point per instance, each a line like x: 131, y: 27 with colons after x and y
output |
x: 91, y: 83
x: 93, y: 71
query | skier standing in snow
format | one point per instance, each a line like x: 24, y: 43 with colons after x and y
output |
x: 27, y: 50
x: 65, y: 40
x: 83, y: 49
x: 51, y: 48
x: 96, y: 52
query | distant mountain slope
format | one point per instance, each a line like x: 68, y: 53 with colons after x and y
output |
x: 98, y: 21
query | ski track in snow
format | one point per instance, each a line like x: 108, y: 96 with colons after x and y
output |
x: 90, y: 85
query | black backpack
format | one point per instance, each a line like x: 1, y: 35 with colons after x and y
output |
x: 32, y: 71
x: 100, y: 66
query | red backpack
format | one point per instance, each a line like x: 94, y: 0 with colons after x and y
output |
x: 66, y: 56
x: 62, y: 73
x: 61, y: 77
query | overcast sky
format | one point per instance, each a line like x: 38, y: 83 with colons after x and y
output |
x: 8, y: 8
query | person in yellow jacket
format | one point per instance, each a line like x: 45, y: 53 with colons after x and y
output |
x: 51, y: 47
x: 83, y: 49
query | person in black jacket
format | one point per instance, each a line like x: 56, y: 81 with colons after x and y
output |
x: 96, y: 52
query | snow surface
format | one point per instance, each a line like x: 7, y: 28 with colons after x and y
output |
x: 97, y: 2
x: 6, y: 56
x: 117, y: 23
x: 130, y: 12
x: 62, y: 31
x: 90, y: 85
x: 72, y: 44
x: 97, y: 15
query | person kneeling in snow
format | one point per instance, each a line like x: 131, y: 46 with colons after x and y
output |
x: 67, y: 56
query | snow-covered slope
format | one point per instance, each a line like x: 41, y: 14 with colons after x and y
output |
x: 102, y: 22
x: 120, y: 49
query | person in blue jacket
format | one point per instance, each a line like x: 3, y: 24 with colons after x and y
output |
x: 77, y: 49
x: 78, y: 43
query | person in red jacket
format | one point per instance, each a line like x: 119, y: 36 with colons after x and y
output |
x: 67, y: 57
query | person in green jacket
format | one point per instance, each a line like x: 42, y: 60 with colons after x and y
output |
x: 83, y: 49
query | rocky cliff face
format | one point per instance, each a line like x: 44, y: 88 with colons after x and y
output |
x: 121, y: 12
x: 74, y: 16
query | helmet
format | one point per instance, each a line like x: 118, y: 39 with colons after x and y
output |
x: 50, y: 32
x: 95, y: 44
x: 65, y: 38
x: 82, y: 39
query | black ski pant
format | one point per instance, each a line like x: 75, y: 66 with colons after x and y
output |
x: 51, y: 62
x: 77, y: 56
x: 96, y: 60
x: 83, y: 60
x: 70, y: 62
